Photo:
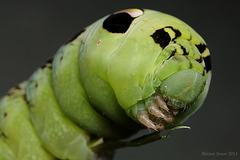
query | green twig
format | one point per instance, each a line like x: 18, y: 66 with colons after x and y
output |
x: 135, y: 142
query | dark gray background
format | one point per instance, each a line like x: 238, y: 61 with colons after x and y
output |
x: 30, y: 32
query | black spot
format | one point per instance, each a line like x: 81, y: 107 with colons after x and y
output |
x: 36, y: 85
x: 201, y: 47
x: 76, y: 35
x: 190, y: 63
x: 200, y: 59
x: 208, y: 64
x: 61, y: 58
x: 190, y: 38
x: 177, y: 32
x: 184, y: 50
x: 26, y: 100
x: 50, y: 60
x: 203, y: 73
x: 5, y: 114
x: 161, y: 37
x: 172, y: 54
x: 118, y: 23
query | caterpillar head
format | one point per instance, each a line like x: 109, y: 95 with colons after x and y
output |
x: 155, y: 65
x: 176, y: 99
x: 181, y: 89
x: 174, y: 85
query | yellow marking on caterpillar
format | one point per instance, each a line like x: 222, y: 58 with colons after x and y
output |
x: 206, y: 53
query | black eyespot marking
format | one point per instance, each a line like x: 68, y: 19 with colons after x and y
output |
x: 201, y: 47
x: 161, y: 37
x: 76, y: 35
x: 118, y: 23
x: 208, y: 64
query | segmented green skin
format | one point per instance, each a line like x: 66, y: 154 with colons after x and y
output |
x: 16, y: 129
x: 95, y: 83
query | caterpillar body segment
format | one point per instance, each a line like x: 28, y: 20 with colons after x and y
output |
x: 16, y: 130
x: 5, y: 152
x: 67, y: 86
x: 59, y: 135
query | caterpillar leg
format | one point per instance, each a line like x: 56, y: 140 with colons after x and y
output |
x: 157, y: 114
x: 176, y: 93
x: 143, y: 117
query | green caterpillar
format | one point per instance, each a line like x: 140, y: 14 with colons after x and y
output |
x: 133, y: 69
